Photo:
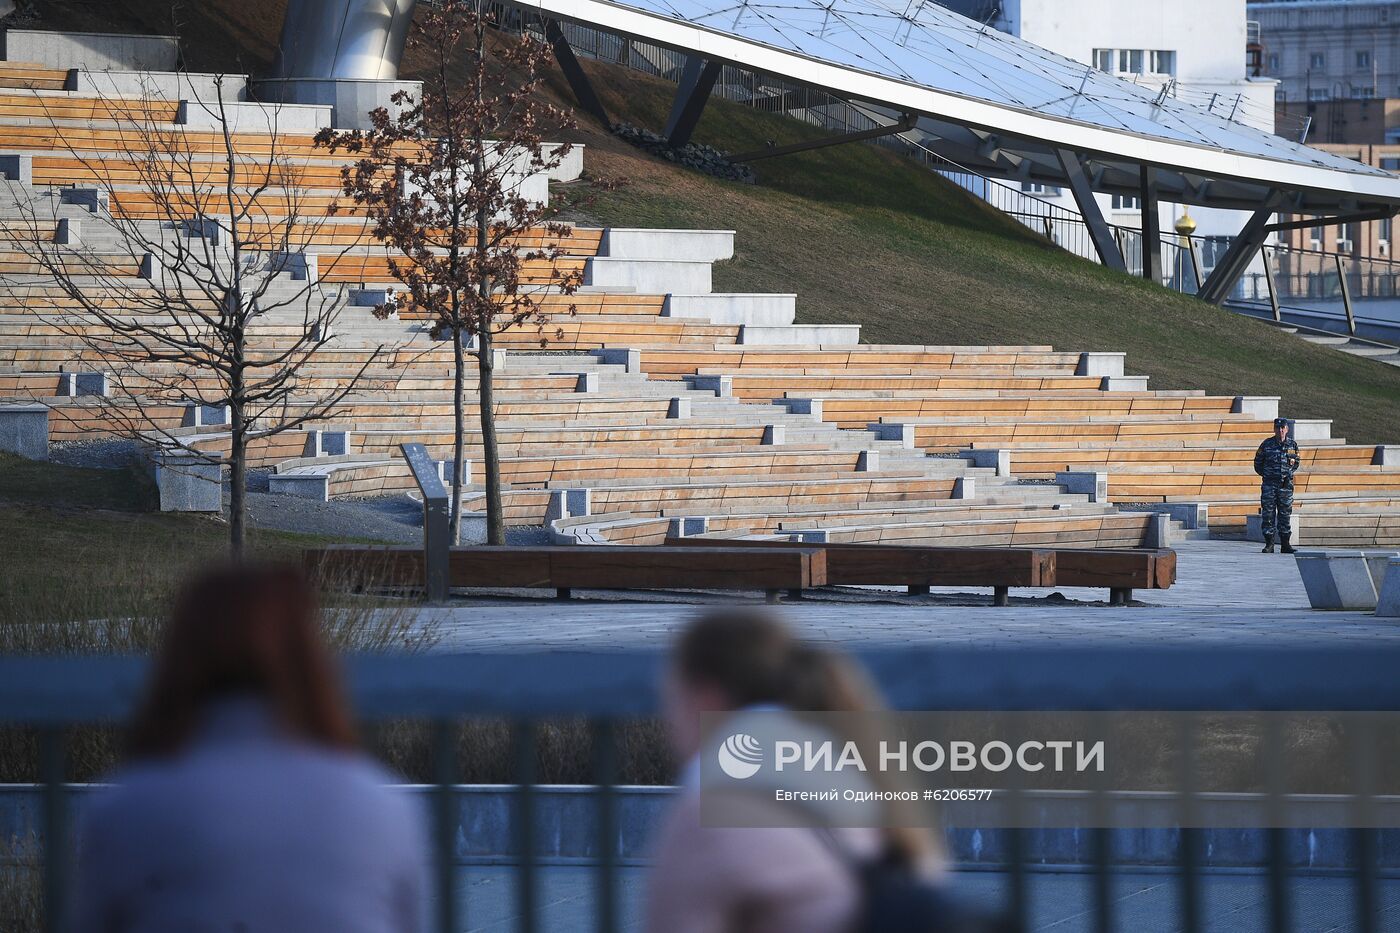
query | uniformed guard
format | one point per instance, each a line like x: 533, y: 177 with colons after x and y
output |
x: 1276, y: 461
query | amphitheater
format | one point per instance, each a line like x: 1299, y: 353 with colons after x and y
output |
x: 658, y: 408
x: 651, y: 412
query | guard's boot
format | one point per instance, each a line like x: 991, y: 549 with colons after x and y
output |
x: 1287, y: 546
x: 1268, y: 544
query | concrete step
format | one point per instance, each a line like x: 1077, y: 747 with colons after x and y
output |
x: 747, y: 309
x: 800, y: 334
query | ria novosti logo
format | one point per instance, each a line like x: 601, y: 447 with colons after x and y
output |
x: 740, y: 756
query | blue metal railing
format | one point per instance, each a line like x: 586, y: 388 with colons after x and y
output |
x: 55, y: 693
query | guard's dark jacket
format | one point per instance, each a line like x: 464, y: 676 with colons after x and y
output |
x: 1276, y: 461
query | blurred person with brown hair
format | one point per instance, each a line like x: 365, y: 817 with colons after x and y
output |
x: 800, y: 878
x: 246, y: 806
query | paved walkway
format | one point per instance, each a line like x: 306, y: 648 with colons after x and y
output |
x: 1227, y: 592
x: 1143, y: 902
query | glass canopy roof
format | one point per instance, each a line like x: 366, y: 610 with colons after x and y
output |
x: 927, y: 45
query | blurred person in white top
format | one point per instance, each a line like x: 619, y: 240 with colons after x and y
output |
x: 789, y: 873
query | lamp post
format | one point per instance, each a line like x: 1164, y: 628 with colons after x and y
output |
x: 1185, y: 226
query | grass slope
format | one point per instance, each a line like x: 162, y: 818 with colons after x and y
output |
x: 79, y: 542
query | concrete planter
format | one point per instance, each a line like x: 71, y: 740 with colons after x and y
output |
x: 301, y: 485
x: 1337, y: 579
x: 24, y: 430
x: 92, y: 51
x: 1388, y: 603
x: 189, y: 482
x: 1377, y: 562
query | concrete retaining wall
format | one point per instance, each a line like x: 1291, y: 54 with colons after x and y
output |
x: 92, y: 51
x: 800, y: 334
x: 765, y: 310
x: 253, y: 117
x: 695, y: 245
x: 650, y: 276
x: 160, y: 85
x: 350, y: 100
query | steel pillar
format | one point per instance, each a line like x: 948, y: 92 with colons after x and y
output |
x: 1241, y: 253
x: 1151, y: 229
x: 697, y: 81
x: 1099, y: 232
x: 574, y: 73
x: 346, y: 39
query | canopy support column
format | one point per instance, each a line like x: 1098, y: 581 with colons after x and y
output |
x: 573, y: 73
x: 1099, y: 232
x: 1243, y: 249
x: 1151, y: 228
x: 697, y: 81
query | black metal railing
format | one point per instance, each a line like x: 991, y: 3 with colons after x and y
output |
x: 55, y: 694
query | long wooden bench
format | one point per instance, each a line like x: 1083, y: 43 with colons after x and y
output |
x: 564, y: 569
x: 776, y: 385
x: 74, y: 107
x: 663, y: 363
x: 32, y: 76
x: 919, y: 568
x: 849, y: 410
x: 360, y: 267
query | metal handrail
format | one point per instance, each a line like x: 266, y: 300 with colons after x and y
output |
x: 53, y: 693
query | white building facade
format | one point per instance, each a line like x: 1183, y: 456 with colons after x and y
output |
x: 1195, y: 49
x: 1330, y: 49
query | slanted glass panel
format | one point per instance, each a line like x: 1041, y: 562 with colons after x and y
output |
x: 925, y: 44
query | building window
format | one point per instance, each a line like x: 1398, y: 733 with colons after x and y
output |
x: 1317, y: 60
x: 1363, y: 93
x: 1136, y: 61
x: 1315, y: 238
x: 1346, y: 238
x: 1391, y: 163
x: 1035, y: 187
x: 1123, y: 202
x: 1383, y: 236
x: 1363, y: 61
x: 1273, y: 61
x: 1319, y: 93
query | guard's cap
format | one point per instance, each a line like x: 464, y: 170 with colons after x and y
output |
x: 1280, y: 422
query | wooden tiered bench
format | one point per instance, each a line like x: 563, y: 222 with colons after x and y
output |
x: 918, y: 568
x: 770, y: 566
x: 564, y: 569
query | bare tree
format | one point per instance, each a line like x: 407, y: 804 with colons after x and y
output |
x: 443, y: 178
x: 197, y: 282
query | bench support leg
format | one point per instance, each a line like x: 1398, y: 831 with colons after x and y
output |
x: 794, y: 594
x: 918, y: 589
x: 1001, y: 596
x: 563, y: 592
x: 1120, y: 596
x: 770, y: 596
